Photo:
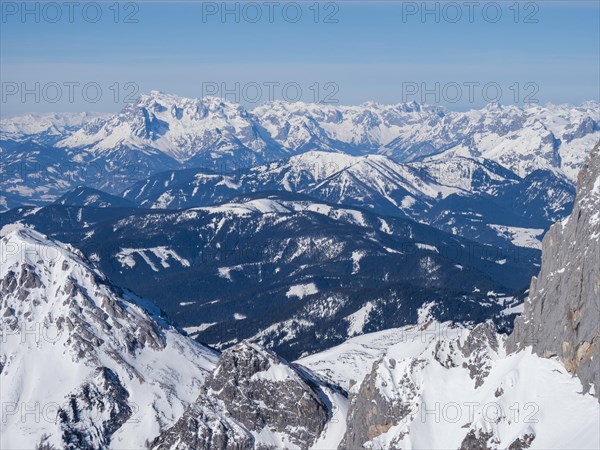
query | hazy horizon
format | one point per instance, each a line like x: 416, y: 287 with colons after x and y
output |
x: 351, y: 52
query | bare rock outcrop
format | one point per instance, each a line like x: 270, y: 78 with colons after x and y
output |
x: 253, y: 399
x: 562, y: 313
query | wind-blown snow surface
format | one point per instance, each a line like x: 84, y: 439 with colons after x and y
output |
x: 98, y: 366
x: 437, y: 385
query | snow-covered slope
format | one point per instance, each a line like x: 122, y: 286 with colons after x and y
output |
x: 98, y: 366
x: 437, y: 385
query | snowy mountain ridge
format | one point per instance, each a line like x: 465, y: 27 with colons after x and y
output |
x: 120, y: 372
x: 195, y: 131
x: 50, y: 127
x: 162, y: 132
x: 464, y: 196
x: 179, y: 127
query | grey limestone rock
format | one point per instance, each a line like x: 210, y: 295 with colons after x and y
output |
x: 252, y: 391
x: 562, y: 313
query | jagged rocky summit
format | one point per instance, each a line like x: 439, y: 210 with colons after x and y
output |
x: 253, y: 399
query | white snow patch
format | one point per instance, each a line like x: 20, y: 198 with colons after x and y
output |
x: 197, y: 329
x: 163, y: 254
x: 302, y: 290
x: 357, y: 255
x: 521, y: 237
x: 424, y: 312
x: 358, y: 320
x: 426, y: 247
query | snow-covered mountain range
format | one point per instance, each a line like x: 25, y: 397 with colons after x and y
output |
x: 325, y: 190
x: 123, y: 377
x: 45, y: 128
x: 500, y: 173
x: 162, y: 131
x: 474, y: 198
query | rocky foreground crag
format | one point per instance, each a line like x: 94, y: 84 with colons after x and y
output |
x: 562, y: 313
x: 253, y: 399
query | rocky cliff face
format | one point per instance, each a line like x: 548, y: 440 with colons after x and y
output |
x: 445, y: 386
x: 386, y: 406
x: 253, y: 399
x: 262, y: 390
x: 562, y: 313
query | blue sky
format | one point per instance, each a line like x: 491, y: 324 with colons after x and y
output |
x: 371, y: 51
